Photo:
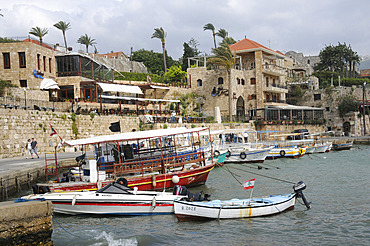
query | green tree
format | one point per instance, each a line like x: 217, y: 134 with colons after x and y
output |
x: 222, y: 33
x: 190, y: 50
x: 39, y: 32
x: 63, y: 26
x: 338, y: 59
x: 175, y: 73
x: 3, y: 85
x: 152, y: 60
x: 347, y: 104
x: 228, y: 41
x: 87, y: 41
x: 210, y: 27
x: 161, y: 35
x: 224, y: 58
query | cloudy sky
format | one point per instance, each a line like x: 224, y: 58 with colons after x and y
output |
x: 117, y: 25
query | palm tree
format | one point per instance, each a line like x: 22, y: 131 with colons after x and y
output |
x: 161, y: 34
x: 87, y: 41
x: 224, y: 58
x: 38, y: 32
x: 222, y: 33
x: 209, y: 26
x: 63, y: 26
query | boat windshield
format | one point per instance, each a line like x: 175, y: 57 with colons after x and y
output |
x: 115, y: 188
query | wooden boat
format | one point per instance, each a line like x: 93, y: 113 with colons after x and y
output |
x: 343, y: 146
x: 148, y: 160
x: 113, y: 199
x: 186, y: 209
x: 285, y: 152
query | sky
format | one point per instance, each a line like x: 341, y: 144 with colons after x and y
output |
x: 304, y: 26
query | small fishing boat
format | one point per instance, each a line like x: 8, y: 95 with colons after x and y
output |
x: 287, y: 152
x: 113, y: 199
x: 342, y: 146
x: 186, y: 210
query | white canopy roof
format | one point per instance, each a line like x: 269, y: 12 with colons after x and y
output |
x: 49, y: 84
x: 120, y: 88
x: 129, y: 136
x: 159, y: 87
x: 139, y: 99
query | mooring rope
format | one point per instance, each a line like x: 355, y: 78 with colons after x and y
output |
x: 286, y: 181
x: 63, y: 227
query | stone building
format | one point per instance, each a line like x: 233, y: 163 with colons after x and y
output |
x: 25, y: 64
x: 258, y: 79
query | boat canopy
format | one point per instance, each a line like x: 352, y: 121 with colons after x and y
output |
x: 49, y: 84
x: 130, y: 136
x: 120, y: 88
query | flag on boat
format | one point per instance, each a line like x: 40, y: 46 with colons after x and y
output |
x: 249, y: 184
x: 52, y: 130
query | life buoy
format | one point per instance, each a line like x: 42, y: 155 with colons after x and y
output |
x: 122, y: 181
x: 228, y: 154
x: 282, y: 152
x: 243, y: 155
x: 216, y: 153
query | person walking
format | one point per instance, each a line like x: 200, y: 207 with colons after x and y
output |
x: 28, y: 148
x: 34, y: 148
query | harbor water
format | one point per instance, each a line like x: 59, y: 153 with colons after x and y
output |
x: 337, y: 185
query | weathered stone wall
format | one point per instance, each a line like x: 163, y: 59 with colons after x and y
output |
x: 19, y: 125
x: 26, y: 223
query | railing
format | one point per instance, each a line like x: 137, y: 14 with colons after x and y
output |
x: 151, y: 164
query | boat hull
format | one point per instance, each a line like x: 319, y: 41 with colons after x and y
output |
x: 189, y: 177
x: 233, y: 209
x: 247, y: 156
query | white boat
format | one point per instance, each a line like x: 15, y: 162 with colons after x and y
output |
x: 238, y: 208
x: 321, y: 147
x: 288, y: 152
x: 113, y: 199
x: 247, y: 154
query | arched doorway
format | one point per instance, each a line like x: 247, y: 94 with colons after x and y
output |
x: 346, y: 128
x: 240, y: 109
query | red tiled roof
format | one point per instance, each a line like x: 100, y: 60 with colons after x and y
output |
x: 247, y: 44
x: 38, y: 43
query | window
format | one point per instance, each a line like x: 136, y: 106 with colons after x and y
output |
x: 253, y: 97
x: 253, y: 65
x: 22, y: 59
x: 238, y: 81
x: 253, y: 81
x: 44, y: 61
x: 23, y: 83
x: 316, y: 97
x: 267, y: 82
x: 243, y: 82
x: 308, y: 61
x: 199, y: 82
x: 6, y: 60
x: 49, y: 65
x: 327, y: 108
x: 38, y: 62
x: 220, y: 81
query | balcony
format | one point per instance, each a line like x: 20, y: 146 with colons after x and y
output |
x: 273, y: 70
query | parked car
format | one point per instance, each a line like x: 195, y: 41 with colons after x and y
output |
x: 303, y: 134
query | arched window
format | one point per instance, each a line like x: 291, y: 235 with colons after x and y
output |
x: 220, y: 80
x: 238, y: 81
x: 199, y: 82
x: 243, y: 82
x: 308, y: 61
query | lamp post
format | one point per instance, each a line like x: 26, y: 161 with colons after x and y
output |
x: 53, y: 94
x: 363, y: 107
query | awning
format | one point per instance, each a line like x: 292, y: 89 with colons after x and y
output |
x: 49, y: 84
x: 120, y: 88
x: 159, y: 87
x: 138, y: 99
x: 130, y: 136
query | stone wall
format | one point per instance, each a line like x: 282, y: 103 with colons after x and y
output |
x: 26, y: 223
x: 19, y: 125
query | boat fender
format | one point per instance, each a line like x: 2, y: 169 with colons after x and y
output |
x: 282, y: 152
x: 175, y: 179
x: 300, y: 151
x: 74, y: 200
x: 154, y: 181
x: 135, y: 190
x: 228, y: 154
x: 216, y: 153
x: 154, y: 202
x: 122, y: 181
x: 243, y: 155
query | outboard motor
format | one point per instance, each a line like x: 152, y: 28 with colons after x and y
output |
x: 182, y: 190
x: 298, y: 188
